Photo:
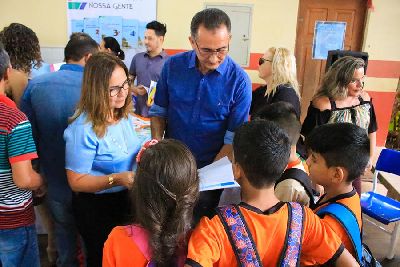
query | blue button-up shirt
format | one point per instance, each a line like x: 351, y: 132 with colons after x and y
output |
x: 49, y: 101
x: 203, y: 111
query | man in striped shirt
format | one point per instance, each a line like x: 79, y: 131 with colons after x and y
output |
x: 18, y: 240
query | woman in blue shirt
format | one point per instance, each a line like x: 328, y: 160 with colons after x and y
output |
x: 101, y: 146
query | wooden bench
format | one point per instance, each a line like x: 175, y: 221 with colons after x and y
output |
x: 392, y: 183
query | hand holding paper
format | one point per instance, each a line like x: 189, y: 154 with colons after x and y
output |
x: 217, y: 175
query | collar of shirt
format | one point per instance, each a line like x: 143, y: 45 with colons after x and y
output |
x: 222, y: 68
x: 162, y: 54
x: 72, y: 67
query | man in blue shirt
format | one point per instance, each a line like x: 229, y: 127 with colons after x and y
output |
x: 49, y: 101
x: 203, y: 95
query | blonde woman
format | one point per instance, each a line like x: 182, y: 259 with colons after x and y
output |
x: 101, y: 147
x: 277, y: 67
x: 341, y: 98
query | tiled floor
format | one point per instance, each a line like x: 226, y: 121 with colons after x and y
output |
x: 379, y: 243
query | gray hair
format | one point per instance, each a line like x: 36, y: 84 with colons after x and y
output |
x: 4, y: 61
x: 211, y: 19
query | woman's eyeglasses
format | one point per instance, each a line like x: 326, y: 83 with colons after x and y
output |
x: 263, y: 60
x: 114, y: 90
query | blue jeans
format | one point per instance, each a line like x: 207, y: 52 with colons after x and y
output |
x: 66, y: 233
x: 19, y: 247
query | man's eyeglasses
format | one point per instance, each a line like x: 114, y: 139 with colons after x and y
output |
x: 263, y: 60
x: 114, y: 90
x: 207, y: 52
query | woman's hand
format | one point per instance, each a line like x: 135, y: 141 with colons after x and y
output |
x: 126, y: 179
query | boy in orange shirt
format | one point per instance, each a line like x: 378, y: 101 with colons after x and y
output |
x: 339, y: 154
x: 261, y: 152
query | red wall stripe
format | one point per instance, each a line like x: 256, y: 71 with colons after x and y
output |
x: 172, y: 52
x: 383, y: 69
x: 376, y: 68
x: 254, y: 57
x: 383, y: 103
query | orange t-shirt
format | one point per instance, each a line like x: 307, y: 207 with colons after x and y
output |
x: 121, y: 250
x: 350, y: 200
x: 209, y: 244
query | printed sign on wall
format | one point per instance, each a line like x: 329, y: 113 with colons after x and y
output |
x: 328, y: 35
x: 124, y: 20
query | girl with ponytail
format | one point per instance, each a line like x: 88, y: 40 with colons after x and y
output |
x: 165, y: 189
x: 111, y: 45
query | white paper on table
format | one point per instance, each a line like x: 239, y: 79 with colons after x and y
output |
x: 217, y: 175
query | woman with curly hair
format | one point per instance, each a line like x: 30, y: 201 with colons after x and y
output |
x: 22, y: 45
x: 165, y: 190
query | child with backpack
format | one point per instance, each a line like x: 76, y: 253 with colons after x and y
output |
x: 339, y: 153
x: 165, y: 189
x: 294, y: 183
x: 261, y: 230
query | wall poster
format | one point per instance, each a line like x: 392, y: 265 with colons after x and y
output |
x: 125, y: 20
x: 328, y: 35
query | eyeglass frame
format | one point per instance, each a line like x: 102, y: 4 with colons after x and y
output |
x: 262, y: 60
x: 118, y: 89
x: 209, y: 52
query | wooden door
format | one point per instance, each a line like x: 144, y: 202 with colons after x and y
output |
x: 310, y: 71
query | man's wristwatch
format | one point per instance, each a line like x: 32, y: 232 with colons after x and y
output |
x: 110, y: 180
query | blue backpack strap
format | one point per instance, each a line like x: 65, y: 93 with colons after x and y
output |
x: 239, y: 236
x: 291, y: 253
x: 349, y: 222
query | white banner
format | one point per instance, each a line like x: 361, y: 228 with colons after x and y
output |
x: 125, y: 20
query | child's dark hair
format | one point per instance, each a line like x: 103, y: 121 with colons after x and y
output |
x: 341, y: 145
x: 165, y: 189
x: 262, y: 149
x: 159, y: 28
x: 284, y: 114
x: 112, y: 43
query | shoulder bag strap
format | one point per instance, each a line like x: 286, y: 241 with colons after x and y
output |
x: 239, y: 236
x: 140, y: 237
x: 291, y: 253
x: 349, y: 222
x: 301, y: 177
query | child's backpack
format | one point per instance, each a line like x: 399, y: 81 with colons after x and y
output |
x: 300, y: 176
x: 349, y: 222
x: 140, y: 237
x: 243, y: 243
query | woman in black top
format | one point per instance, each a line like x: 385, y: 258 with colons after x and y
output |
x: 341, y: 98
x: 277, y: 68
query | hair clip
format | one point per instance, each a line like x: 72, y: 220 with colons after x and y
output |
x: 144, y: 147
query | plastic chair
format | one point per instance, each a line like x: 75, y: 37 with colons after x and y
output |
x: 382, y: 208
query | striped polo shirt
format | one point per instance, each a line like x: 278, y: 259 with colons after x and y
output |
x: 16, y: 144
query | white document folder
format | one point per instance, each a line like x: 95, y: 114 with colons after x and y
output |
x: 217, y: 175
